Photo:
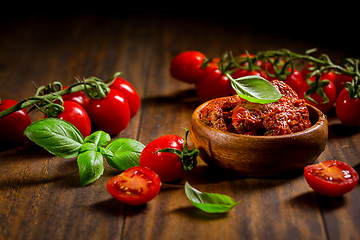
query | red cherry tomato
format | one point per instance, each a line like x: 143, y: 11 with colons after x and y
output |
x: 331, y: 178
x: 294, y: 80
x: 339, y: 82
x: 304, y: 72
x: 330, y: 92
x: 129, y: 92
x: 75, y: 114
x: 212, y: 83
x: 167, y: 165
x: 12, y: 126
x: 244, y: 57
x: 348, y: 109
x: 267, y: 67
x: 110, y: 114
x: 134, y: 186
x: 78, y: 97
x: 186, y: 66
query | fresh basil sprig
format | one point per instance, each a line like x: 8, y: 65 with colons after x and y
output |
x: 255, y: 89
x: 209, y: 202
x: 64, y: 140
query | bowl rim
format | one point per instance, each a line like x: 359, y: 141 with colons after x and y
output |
x: 322, y: 119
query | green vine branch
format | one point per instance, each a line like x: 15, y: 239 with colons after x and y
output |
x: 282, y: 62
x: 48, y: 99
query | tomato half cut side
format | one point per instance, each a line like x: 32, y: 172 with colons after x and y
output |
x: 331, y: 178
x: 135, y: 186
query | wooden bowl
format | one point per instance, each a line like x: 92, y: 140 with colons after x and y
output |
x: 259, y: 156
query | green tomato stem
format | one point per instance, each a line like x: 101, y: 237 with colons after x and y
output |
x: 42, y: 100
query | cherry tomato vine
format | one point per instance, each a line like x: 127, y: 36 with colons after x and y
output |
x: 283, y: 63
x: 48, y: 98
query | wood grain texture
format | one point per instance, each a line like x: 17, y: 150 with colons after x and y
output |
x: 40, y: 194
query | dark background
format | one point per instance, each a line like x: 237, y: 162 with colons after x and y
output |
x: 334, y: 25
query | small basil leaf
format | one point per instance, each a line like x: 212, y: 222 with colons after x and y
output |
x: 105, y: 152
x: 209, y: 202
x: 255, y: 89
x: 91, y: 166
x: 99, y: 138
x: 87, y: 147
x: 126, y: 153
x: 57, y: 136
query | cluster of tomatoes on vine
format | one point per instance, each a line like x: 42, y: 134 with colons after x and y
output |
x: 209, y: 75
x: 112, y: 113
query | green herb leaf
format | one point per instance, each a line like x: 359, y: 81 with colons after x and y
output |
x: 255, y: 89
x: 209, y: 202
x: 91, y: 166
x: 99, y: 138
x: 57, y: 136
x: 126, y: 153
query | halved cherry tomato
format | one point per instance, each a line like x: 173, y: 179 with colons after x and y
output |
x: 12, y: 126
x: 78, y: 97
x: 331, y: 178
x: 75, y: 114
x: 186, y: 66
x: 110, y: 114
x: 134, y: 186
x: 129, y: 92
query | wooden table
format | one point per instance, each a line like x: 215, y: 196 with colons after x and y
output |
x: 40, y: 194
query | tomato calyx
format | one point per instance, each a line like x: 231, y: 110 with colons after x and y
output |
x: 316, y: 86
x: 186, y: 155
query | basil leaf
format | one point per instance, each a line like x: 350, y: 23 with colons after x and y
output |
x: 209, y: 202
x: 91, y: 166
x: 57, y: 136
x: 255, y: 89
x: 99, y: 138
x: 87, y: 147
x: 105, y: 152
x: 126, y: 153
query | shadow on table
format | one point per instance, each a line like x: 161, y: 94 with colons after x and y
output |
x: 313, y: 200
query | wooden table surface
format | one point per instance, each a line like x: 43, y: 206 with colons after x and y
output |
x: 40, y: 194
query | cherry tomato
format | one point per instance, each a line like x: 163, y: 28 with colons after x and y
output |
x: 243, y: 57
x: 331, y: 178
x: 186, y: 66
x: 167, y: 165
x: 330, y: 92
x: 129, y: 92
x: 134, y: 186
x: 75, y: 114
x: 242, y: 73
x: 12, y: 126
x: 78, y: 97
x: 304, y: 72
x: 267, y: 66
x: 348, y: 109
x: 339, y: 82
x: 329, y: 75
x: 212, y: 83
x: 110, y: 114
x: 294, y: 80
